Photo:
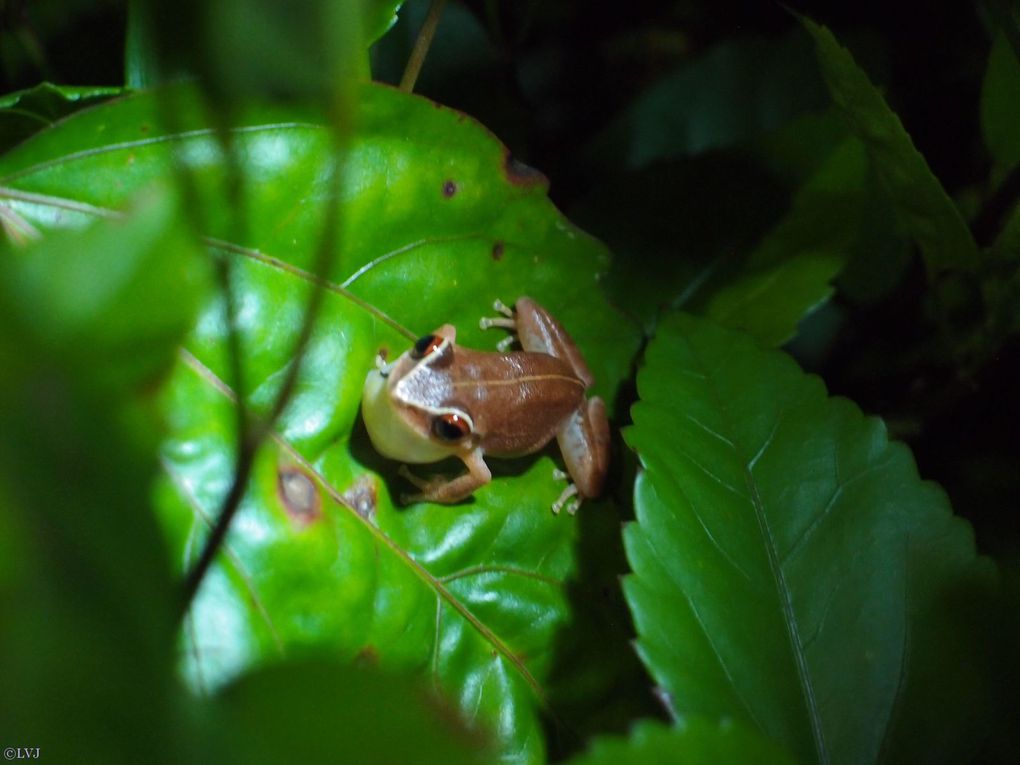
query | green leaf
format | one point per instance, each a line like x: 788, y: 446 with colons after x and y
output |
x: 377, y: 18
x: 734, y: 92
x: 315, y: 711
x: 1000, y: 96
x: 791, y: 571
x: 85, y: 661
x: 931, y: 217
x: 790, y: 272
x: 675, y: 225
x: 691, y: 742
x: 98, y: 311
x: 27, y: 111
x: 437, y: 221
x: 707, y: 233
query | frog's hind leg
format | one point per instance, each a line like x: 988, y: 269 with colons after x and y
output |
x: 509, y: 323
x: 584, y: 444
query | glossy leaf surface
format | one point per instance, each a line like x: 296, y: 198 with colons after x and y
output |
x: 791, y: 570
x: 932, y: 218
x: 437, y: 221
x: 691, y: 742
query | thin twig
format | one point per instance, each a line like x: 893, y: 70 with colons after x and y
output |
x: 421, y: 46
x: 252, y: 437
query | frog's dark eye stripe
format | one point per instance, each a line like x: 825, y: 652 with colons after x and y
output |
x: 451, y: 427
x: 425, y: 346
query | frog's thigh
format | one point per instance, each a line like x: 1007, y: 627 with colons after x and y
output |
x: 539, y: 332
x: 584, y: 444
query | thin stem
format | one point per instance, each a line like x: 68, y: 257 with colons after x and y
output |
x: 252, y: 437
x: 421, y: 46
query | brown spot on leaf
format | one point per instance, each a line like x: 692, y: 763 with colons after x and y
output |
x: 497, y: 251
x: 362, y: 496
x: 299, y: 495
x: 384, y: 352
x: 449, y: 189
x: 368, y: 656
x: 521, y: 174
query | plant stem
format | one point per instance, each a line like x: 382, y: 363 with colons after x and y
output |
x: 421, y: 46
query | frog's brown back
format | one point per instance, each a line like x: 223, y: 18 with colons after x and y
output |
x: 517, y: 400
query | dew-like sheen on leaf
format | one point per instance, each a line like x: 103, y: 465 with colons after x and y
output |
x: 790, y: 569
x: 437, y: 221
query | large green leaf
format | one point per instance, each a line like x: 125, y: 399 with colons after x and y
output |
x: 791, y: 570
x: 437, y: 221
x: 691, y: 742
x: 933, y: 220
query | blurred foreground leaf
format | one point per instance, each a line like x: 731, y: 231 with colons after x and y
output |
x: 791, y: 571
x: 694, y: 741
x: 319, y: 712
x: 85, y: 646
x: 312, y: 51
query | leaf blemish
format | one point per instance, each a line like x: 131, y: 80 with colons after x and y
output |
x: 497, y: 251
x: 299, y: 495
x: 449, y: 189
x: 368, y: 656
x: 521, y: 174
x: 362, y: 496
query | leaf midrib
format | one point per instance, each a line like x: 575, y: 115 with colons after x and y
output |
x: 775, y: 568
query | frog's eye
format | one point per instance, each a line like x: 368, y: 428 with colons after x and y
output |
x: 451, y: 427
x: 425, y: 346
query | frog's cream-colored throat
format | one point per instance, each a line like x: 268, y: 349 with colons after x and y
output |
x: 393, y: 435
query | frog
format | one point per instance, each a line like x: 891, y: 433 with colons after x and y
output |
x: 439, y: 400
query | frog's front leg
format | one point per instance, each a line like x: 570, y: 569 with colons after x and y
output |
x: 449, y: 490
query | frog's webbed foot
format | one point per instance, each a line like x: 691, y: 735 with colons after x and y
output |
x: 569, y: 497
x: 509, y: 323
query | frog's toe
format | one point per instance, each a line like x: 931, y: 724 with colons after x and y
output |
x: 569, y: 493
